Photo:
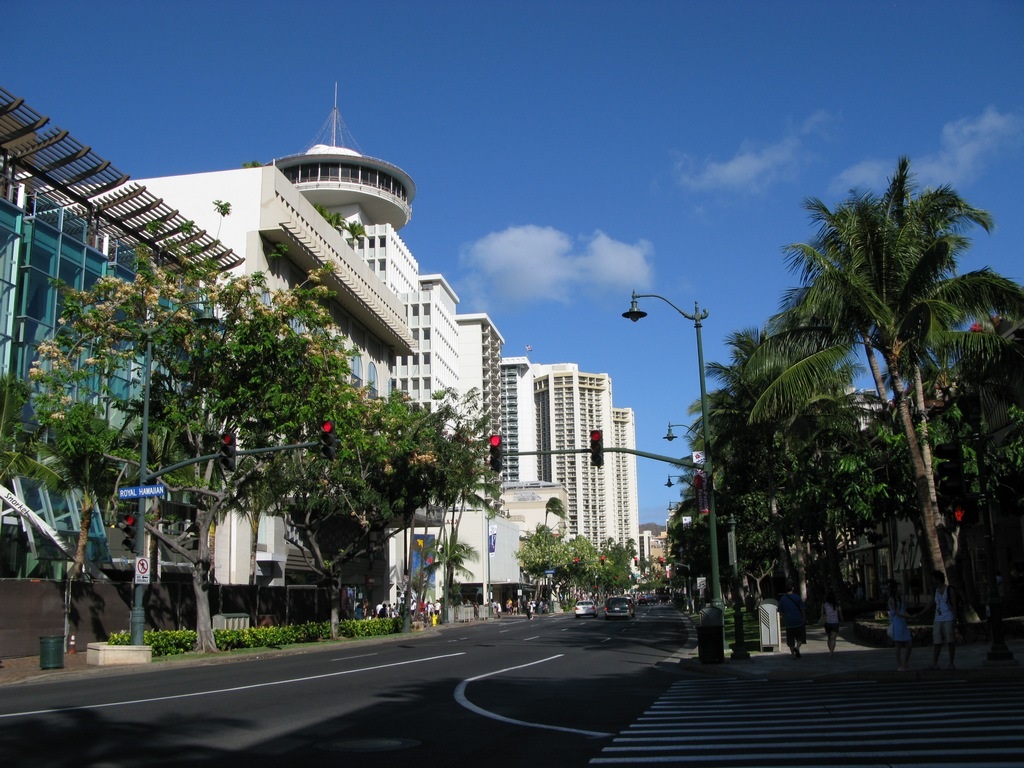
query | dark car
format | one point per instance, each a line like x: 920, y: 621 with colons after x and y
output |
x: 619, y: 608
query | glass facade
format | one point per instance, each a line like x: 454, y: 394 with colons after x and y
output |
x: 37, y: 246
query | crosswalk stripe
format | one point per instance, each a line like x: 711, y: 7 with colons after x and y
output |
x: 863, y: 723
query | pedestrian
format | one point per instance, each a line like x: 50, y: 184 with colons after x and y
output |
x: 898, y: 628
x: 794, y: 613
x: 944, y: 627
x: 831, y: 617
x: 529, y: 610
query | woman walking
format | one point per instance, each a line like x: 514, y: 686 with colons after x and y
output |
x: 831, y: 617
x: 898, y: 627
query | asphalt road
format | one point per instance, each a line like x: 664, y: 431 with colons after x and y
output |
x: 510, y: 692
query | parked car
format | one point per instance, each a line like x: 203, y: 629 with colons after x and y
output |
x: 620, y: 607
x: 586, y: 608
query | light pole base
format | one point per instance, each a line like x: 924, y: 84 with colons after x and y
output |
x: 138, y: 625
x: 739, y: 651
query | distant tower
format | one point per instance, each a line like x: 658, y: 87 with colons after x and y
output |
x: 344, y: 181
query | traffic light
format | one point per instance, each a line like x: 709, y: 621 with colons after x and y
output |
x: 966, y: 513
x: 127, y: 526
x: 636, y: 561
x: 228, y: 450
x: 328, y: 440
x: 494, y: 445
x: 949, y: 472
x: 602, y: 559
x: 596, y: 448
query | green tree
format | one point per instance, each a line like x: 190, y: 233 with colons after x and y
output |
x: 266, y: 370
x: 83, y: 446
x: 882, y: 276
x: 18, y: 448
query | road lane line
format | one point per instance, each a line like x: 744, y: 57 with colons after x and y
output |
x: 224, y: 690
x: 460, y: 697
x: 360, y: 656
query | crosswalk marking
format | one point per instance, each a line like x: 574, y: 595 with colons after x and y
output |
x: 726, y: 722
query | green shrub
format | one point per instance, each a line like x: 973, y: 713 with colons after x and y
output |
x: 178, y: 641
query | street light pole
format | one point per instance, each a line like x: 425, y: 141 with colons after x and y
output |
x: 138, y: 615
x: 634, y: 314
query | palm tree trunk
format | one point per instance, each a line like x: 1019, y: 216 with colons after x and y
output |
x: 924, y: 484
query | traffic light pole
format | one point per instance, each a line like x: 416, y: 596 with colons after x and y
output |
x: 679, y: 462
x: 138, y: 612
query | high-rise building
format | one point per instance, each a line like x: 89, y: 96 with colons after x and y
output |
x: 626, y: 521
x: 569, y: 404
x: 480, y: 363
x: 434, y: 366
x: 518, y: 421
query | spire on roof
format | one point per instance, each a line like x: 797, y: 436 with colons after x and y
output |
x: 334, y: 130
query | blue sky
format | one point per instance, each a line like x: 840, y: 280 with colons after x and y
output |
x: 566, y: 153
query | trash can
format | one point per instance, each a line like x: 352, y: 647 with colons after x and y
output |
x: 51, y: 652
x: 711, y: 636
x: 768, y: 616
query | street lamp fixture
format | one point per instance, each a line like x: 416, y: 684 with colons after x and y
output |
x: 669, y: 483
x: 634, y: 313
x: 670, y: 435
x: 137, y: 621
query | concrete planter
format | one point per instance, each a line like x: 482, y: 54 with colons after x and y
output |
x: 105, y: 655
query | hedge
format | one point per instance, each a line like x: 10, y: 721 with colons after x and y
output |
x: 178, y: 641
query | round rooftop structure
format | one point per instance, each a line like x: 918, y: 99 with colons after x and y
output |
x: 339, y: 178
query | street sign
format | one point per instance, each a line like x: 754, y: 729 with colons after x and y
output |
x: 142, y: 570
x: 140, y: 491
x: 697, y: 457
x: 549, y: 572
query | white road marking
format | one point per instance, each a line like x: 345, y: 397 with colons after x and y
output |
x: 460, y: 697
x: 224, y: 690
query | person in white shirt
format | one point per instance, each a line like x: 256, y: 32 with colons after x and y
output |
x: 943, y: 630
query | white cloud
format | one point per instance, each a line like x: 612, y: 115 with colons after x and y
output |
x: 966, y: 148
x: 755, y: 166
x: 527, y: 264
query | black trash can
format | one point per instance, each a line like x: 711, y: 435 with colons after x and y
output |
x: 711, y: 637
x: 51, y: 652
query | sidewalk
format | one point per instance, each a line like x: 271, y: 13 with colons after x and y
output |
x: 856, y: 661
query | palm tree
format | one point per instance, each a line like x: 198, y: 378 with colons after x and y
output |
x: 555, y: 508
x: 82, y: 445
x: 755, y: 458
x: 451, y: 557
x: 882, y: 276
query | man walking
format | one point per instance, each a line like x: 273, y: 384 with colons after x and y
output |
x: 794, y: 613
x: 945, y: 621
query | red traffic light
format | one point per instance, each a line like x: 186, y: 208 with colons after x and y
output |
x: 328, y: 440
x: 129, y: 520
x: 495, y: 440
x: 228, y: 438
x: 596, y: 448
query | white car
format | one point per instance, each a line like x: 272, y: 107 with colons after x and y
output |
x: 586, y: 608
